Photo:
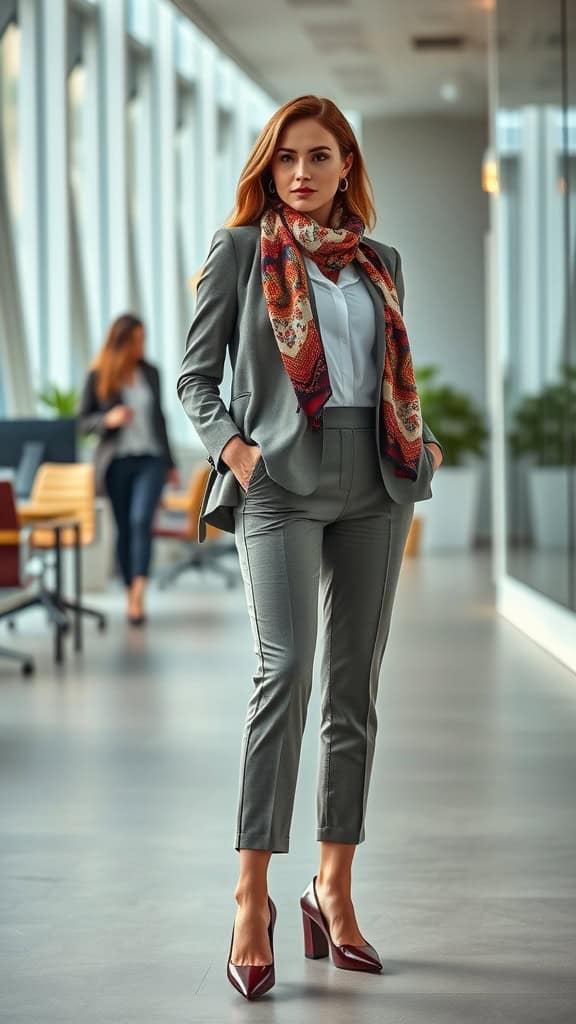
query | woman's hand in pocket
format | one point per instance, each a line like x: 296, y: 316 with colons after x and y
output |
x: 242, y: 459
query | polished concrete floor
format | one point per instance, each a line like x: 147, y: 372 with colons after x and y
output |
x: 118, y: 783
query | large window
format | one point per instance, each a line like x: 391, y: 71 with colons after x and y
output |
x: 225, y: 163
x: 78, y: 155
x: 536, y: 137
x: 139, y: 170
x: 187, y: 201
x: 114, y: 145
x: 9, y: 75
x: 15, y: 384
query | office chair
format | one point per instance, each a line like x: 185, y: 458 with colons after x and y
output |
x: 69, y: 484
x: 177, y: 519
x: 20, y: 576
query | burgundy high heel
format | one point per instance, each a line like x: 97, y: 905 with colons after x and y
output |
x: 253, y: 980
x: 318, y: 943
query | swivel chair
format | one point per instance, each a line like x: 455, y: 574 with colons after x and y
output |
x: 22, y: 577
x: 71, y: 484
x: 177, y: 519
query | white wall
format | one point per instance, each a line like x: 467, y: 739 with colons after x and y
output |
x: 426, y: 175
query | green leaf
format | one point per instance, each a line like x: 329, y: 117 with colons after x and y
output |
x: 543, y: 425
x: 451, y: 415
x: 63, y: 403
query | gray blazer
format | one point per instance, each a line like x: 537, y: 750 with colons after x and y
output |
x: 231, y: 314
x: 91, y: 415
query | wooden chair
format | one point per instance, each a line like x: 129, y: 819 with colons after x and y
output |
x: 67, y: 485
x: 26, y: 588
x: 177, y: 519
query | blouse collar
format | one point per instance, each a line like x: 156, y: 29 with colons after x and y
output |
x: 348, y: 275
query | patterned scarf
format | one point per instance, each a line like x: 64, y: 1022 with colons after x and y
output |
x: 301, y: 349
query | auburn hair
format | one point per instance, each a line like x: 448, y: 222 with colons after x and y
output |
x: 252, y: 195
x: 115, y: 359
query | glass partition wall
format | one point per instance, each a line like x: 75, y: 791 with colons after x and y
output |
x: 535, y: 135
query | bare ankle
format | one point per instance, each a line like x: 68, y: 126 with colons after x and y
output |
x: 333, y: 884
x: 251, y: 896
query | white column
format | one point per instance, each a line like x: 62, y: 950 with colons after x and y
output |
x: 192, y: 196
x: 495, y: 397
x: 113, y: 13
x: 207, y: 154
x: 55, y: 259
x: 169, y: 343
x: 148, y: 199
x: 16, y: 383
x: 188, y: 65
x: 241, y: 133
x: 551, y: 253
x: 496, y: 321
x: 95, y: 187
x: 530, y: 197
x: 29, y: 116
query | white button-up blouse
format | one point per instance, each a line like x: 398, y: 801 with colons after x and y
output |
x: 348, y: 328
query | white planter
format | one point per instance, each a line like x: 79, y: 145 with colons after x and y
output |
x: 449, y: 517
x: 548, y: 490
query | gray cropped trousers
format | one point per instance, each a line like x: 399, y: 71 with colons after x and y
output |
x: 347, y: 538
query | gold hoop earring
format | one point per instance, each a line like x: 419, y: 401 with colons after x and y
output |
x: 346, y: 183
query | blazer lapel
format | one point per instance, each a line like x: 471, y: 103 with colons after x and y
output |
x: 311, y: 296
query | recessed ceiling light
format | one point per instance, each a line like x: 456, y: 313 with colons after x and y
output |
x: 450, y: 92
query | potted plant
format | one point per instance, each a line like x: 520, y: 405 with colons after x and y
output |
x: 448, y: 520
x: 63, y: 404
x: 544, y: 428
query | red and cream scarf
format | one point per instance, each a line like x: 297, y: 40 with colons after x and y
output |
x: 297, y: 334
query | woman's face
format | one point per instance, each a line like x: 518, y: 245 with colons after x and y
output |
x: 308, y: 156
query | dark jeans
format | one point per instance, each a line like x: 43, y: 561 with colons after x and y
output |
x: 134, y: 484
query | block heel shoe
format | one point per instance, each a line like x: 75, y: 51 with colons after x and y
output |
x: 318, y: 943
x: 253, y: 980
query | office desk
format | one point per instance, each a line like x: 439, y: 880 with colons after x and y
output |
x: 55, y: 520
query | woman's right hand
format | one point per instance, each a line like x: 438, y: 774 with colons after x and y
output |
x: 118, y: 416
x: 242, y: 459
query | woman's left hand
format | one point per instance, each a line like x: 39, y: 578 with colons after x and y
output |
x: 173, y: 478
x: 437, y: 456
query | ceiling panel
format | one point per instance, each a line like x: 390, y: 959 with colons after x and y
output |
x: 361, y: 53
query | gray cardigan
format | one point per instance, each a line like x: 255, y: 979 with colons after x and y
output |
x: 231, y: 315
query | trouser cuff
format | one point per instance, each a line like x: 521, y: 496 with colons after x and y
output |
x: 250, y: 841
x: 339, y: 835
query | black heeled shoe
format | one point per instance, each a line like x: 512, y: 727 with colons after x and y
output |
x: 136, y: 620
x: 253, y: 980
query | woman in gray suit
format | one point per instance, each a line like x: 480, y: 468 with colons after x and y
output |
x: 316, y: 466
